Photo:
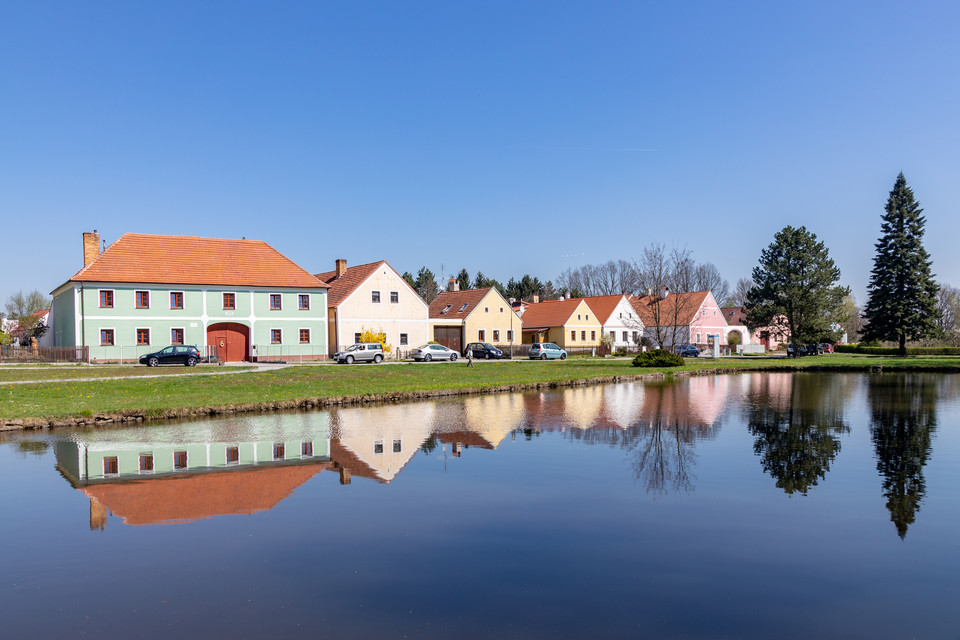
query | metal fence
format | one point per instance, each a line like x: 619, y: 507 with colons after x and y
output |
x: 13, y: 353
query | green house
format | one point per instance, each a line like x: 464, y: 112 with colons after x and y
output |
x: 234, y: 299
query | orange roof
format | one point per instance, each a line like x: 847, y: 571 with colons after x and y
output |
x: 734, y: 315
x: 604, y: 306
x: 683, y: 306
x: 552, y: 313
x: 137, y: 258
x: 170, y: 499
x: 457, y: 299
x: 353, y: 277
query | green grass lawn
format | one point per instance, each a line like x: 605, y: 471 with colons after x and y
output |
x: 155, y: 397
x: 67, y: 372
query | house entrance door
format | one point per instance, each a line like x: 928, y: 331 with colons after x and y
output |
x: 230, y: 340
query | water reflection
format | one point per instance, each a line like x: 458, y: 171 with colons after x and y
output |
x: 180, y: 472
x: 903, y: 418
x: 796, y: 421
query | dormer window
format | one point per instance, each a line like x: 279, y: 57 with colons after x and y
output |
x: 446, y: 308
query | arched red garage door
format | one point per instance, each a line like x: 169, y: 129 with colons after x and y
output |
x: 230, y: 341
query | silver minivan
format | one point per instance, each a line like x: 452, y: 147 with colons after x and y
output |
x: 362, y: 352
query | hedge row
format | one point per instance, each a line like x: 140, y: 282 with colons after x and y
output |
x: 892, y: 351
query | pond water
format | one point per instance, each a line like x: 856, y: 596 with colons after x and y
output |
x: 743, y: 506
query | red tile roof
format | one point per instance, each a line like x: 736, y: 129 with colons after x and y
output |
x: 603, y: 306
x: 141, y: 258
x: 456, y: 300
x: 682, y: 306
x: 353, y: 277
x: 735, y: 315
x: 552, y: 313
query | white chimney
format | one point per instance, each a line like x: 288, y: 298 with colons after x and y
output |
x: 664, y: 291
x: 453, y: 285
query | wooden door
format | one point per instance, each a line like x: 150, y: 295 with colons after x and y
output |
x: 450, y: 337
x: 230, y: 341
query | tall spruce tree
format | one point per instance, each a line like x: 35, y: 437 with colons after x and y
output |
x: 902, y: 295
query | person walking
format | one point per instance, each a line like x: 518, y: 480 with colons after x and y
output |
x: 469, y: 355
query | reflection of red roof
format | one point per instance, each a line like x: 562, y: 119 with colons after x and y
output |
x: 137, y: 257
x: 351, y: 462
x: 552, y: 313
x: 171, y: 499
x: 468, y: 438
x: 457, y: 299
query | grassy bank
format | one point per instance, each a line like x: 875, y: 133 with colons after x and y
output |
x: 42, y: 374
x: 307, y: 386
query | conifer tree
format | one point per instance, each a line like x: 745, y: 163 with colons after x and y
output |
x: 902, y: 295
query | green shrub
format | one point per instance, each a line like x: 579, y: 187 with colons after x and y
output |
x: 658, y: 358
x: 892, y: 351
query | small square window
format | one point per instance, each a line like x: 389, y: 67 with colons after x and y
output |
x: 143, y: 299
x: 404, y: 340
x: 378, y: 447
x: 394, y: 297
x: 276, y: 336
x: 279, y: 451
x: 146, y: 463
x: 143, y: 336
x: 397, y: 446
x: 486, y: 309
x: 304, y: 336
x: 176, y: 300
x: 230, y: 301
x: 374, y: 296
x: 179, y: 459
x: 111, y: 466
x: 304, y: 301
x: 106, y: 337
x: 176, y: 336
x: 306, y: 449
x: 275, y: 302
x: 106, y: 299
x: 233, y: 455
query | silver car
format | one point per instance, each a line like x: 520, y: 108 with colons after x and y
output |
x: 430, y: 352
x: 362, y: 352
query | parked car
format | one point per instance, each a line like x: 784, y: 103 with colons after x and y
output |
x: 813, y: 350
x: 429, y: 352
x: 546, y: 350
x: 187, y: 355
x: 688, y: 350
x: 362, y: 352
x: 826, y: 347
x: 483, y: 350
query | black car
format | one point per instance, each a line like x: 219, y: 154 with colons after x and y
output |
x: 483, y: 350
x: 186, y: 355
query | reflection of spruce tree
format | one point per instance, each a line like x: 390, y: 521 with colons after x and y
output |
x: 796, y: 434
x: 903, y: 419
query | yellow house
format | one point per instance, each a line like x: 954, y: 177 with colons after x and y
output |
x: 458, y: 318
x: 568, y: 323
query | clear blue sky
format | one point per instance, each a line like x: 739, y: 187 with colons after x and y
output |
x: 505, y: 137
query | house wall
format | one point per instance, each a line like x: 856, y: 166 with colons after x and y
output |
x: 624, y: 319
x: 493, y: 316
x: 709, y: 319
x: 410, y: 315
x: 202, y: 307
x: 64, y: 312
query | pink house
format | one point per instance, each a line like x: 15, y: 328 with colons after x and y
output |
x: 681, y: 318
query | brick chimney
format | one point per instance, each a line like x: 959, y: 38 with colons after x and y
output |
x: 341, y: 266
x: 91, y: 247
x: 453, y: 285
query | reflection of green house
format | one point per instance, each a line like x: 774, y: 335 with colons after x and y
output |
x: 186, y: 472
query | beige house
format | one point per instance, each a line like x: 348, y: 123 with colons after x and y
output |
x: 458, y: 318
x: 568, y: 323
x: 374, y: 297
